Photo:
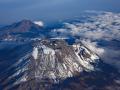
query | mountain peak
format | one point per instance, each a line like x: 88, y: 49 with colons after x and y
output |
x: 29, y: 22
x: 21, y: 26
x: 56, y: 61
x: 24, y: 28
x: 25, y: 21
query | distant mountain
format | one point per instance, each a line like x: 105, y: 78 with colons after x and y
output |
x: 21, y: 27
x: 24, y: 28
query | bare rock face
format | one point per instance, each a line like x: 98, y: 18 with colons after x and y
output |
x: 52, y: 61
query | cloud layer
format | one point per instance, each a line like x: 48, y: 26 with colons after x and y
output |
x: 103, y: 26
x: 101, y: 32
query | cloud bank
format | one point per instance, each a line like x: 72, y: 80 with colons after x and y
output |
x: 103, y: 26
x: 100, y: 32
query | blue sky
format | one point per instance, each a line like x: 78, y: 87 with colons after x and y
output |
x: 51, y: 10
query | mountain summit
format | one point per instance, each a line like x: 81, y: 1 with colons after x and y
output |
x: 24, y: 28
x: 21, y: 27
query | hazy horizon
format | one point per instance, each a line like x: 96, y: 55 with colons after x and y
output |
x: 54, y: 10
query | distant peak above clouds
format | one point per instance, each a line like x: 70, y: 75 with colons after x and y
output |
x: 26, y: 28
x: 40, y: 23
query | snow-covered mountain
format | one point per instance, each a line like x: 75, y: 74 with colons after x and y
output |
x: 57, y: 60
x: 50, y: 62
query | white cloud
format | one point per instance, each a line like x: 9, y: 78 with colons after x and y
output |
x: 103, y: 26
x: 40, y: 23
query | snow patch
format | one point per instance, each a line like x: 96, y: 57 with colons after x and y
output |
x: 48, y: 50
x: 35, y: 53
